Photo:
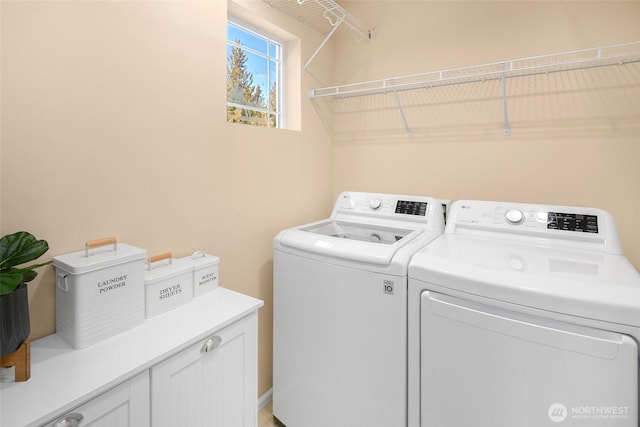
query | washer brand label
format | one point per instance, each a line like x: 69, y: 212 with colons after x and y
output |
x: 171, y: 291
x: 112, y: 284
x: 387, y: 287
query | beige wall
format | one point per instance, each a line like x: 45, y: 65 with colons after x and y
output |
x: 113, y: 123
x: 575, y: 137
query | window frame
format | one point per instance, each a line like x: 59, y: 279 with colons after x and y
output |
x: 279, y: 60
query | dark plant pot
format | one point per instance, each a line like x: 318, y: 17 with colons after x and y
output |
x: 14, y: 320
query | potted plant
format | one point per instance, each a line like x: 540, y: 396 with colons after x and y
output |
x: 15, y: 250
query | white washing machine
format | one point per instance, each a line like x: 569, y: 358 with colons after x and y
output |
x: 340, y: 311
x: 523, y: 315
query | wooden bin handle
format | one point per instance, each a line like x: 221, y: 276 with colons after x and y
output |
x: 100, y: 242
x: 160, y: 257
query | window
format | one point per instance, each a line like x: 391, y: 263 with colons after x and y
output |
x: 254, y: 77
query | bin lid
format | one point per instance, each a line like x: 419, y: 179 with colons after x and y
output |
x: 201, y: 259
x: 166, y: 270
x: 103, y: 257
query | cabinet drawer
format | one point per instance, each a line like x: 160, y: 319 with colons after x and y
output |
x: 124, y: 405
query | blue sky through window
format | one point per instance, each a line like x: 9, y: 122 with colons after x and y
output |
x: 261, y: 53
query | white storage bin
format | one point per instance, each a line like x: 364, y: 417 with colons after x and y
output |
x: 99, y: 291
x: 168, y: 283
x: 205, y: 272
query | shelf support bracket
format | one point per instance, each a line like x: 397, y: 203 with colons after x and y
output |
x: 404, y: 118
x: 503, y: 80
x: 333, y: 30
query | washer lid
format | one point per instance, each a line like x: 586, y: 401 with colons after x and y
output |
x: 355, y: 231
x: 365, y: 243
x: 584, y: 283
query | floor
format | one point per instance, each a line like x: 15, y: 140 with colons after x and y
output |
x: 265, y: 417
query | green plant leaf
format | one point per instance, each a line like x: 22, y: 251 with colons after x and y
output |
x: 20, y: 247
x: 28, y: 276
x: 9, y: 281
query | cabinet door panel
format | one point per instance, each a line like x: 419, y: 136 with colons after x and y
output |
x: 124, y: 405
x: 211, y: 384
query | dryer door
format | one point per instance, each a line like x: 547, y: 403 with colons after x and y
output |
x: 483, y: 366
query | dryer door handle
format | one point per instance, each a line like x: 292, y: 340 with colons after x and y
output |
x: 578, y: 339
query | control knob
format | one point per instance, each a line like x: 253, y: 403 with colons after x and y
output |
x: 514, y: 216
x: 375, y: 204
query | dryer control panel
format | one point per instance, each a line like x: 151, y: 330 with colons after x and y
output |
x: 569, y: 224
x: 576, y: 222
x: 572, y: 222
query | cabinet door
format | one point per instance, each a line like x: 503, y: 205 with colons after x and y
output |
x: 125, y: 405
x: 211, y: 384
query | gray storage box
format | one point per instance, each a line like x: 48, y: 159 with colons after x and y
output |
x: 205, y: 272
x: 168, y: 284
x: 99, y: 292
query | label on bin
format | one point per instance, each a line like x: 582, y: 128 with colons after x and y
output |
x: 207, y: 278
x: 111, y: 284
x: 170, y: 291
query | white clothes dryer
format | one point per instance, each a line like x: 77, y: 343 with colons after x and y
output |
x: 340, y: 311
x: 523, y: 315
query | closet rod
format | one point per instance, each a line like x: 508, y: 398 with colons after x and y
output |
x: 333, y: 12
x: 604, y: 56
x: 337, y: 16
x: 320, y: 13
x: 337, y: 24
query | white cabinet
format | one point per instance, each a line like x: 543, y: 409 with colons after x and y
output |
x: 193, y: 366
x: 127, y: 405
x: 212, y: 383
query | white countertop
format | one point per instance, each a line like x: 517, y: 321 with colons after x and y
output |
x: 63, y: 378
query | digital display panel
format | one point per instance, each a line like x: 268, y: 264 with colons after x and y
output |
x: 411, y: 208
x: 572, y: 222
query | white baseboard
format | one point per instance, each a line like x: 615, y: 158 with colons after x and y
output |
x: 265, y: 399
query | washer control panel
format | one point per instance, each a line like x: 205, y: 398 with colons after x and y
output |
x: 411, y: 207
x: 382, y: 204
x: 417, y: 209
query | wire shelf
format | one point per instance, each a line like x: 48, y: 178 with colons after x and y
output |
x: 618, y: 54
